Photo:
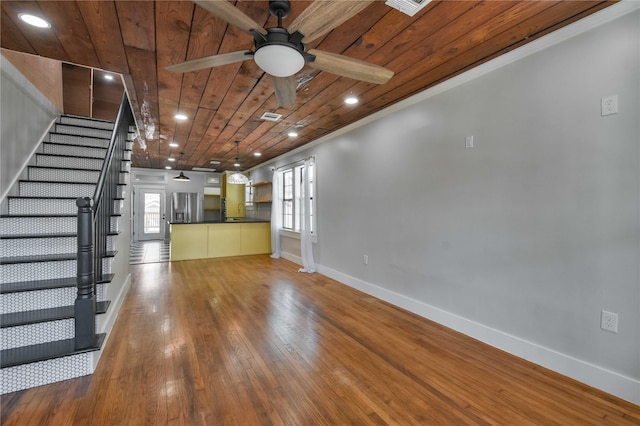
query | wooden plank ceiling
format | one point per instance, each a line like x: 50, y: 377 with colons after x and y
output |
x: 140, y: 38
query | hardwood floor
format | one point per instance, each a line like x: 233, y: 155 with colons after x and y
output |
x: 250, y: 341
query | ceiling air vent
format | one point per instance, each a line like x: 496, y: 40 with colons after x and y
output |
x: 271, y: 116
x: 408, y: 7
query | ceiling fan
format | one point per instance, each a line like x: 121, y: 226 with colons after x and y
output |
x: 281, y: 51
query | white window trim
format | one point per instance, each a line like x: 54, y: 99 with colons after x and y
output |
x: 290, y: 233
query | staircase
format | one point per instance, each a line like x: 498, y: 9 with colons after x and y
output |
x: 38, y: 256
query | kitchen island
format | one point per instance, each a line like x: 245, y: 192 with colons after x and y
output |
x: 210, y: 239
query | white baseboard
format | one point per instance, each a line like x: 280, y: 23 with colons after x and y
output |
x: 621, y: 386
x: 292, y: 258
x: 105, y: 323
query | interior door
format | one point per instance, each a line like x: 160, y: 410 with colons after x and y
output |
x: 149, y: 214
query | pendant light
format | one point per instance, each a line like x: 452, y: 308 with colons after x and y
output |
x: 182, y: 177
x: 237, y: 178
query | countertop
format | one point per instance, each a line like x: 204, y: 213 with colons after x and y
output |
x: 242, y: 220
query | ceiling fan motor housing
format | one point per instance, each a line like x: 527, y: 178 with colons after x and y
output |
x: 279, y: 52
x: 276, y: 60
x: 279, y: 35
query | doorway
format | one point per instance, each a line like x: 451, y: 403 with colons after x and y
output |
x: 149, y: 214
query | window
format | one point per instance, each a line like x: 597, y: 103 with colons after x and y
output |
x: 292, y: 198
x: 248, y: 195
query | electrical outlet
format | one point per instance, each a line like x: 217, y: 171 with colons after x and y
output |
x: 609, y: 105
x: 609, y: 321
x: 365, y: 259
x: 468, y: 142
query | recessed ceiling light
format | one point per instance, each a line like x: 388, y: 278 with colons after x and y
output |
x: 351, y: 100
x: 171, y: 159
x: 257, y: 154
x: 167, y: 167
x: 34, y: 21
x: 216, y: 162
x: 108, y: 77
x: 173, y: 145
x: 180, y: 116
x: 292, y: 134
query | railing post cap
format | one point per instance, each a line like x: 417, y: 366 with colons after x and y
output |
x: 83, y: 202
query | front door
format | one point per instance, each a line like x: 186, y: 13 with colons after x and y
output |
x: 149, y: 214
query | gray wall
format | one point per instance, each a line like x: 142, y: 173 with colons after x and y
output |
x: 25, y: 116
x: 522, y: 240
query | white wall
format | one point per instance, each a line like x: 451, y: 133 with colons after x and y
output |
x: 522, y: 240
x: 25, y: 116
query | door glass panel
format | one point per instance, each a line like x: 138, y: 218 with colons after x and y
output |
x: 151, y: 213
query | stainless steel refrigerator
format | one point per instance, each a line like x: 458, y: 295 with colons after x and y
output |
x: 187, y: 207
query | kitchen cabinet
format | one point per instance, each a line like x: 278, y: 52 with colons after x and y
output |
x: 224, y: 239
x: 212, y: 194
x: 212, y: 204
x: 255, y: 238
x: 189, y: 241
x: 235, y: 200
x: 208, y: 240
x: 234, y: 195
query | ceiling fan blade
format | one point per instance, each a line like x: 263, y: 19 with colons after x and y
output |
x: 211, y: 61
x: 324, y: 15
x: 285, y: 90
x: 231, y: 14
x: 349, y: 67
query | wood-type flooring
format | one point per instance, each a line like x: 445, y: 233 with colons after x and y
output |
x: 250, y: 341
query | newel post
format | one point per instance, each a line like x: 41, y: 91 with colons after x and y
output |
x: 85, y: 305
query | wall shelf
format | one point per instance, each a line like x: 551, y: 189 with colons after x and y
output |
x: 262, y: 194
x: 257, y: 184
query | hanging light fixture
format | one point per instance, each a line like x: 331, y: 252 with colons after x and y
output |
x: 237, y: 177
x: 182, y: 177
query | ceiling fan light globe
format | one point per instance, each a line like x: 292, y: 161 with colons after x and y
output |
x: 279, y: 60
